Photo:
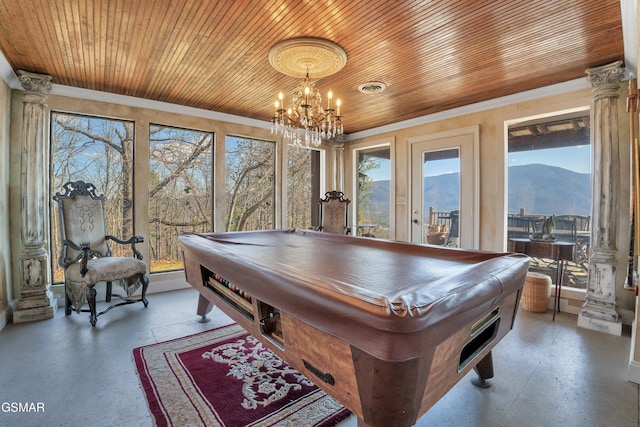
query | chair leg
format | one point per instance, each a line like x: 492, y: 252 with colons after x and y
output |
x: 108, y: 296
x: 145, y: 285
x: 67, y: 302
x: 91, y: 299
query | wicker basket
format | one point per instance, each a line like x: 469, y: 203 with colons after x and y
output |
x: 536, y: 292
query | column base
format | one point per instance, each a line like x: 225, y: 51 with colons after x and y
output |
x: 633, y: 373
x: 33, y: 309
x: 611, y: 327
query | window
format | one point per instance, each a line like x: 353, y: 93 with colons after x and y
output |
x: 373, y: 193
x: 549, y: 173
x: 303, y: 187
x: 180, y: 191
x: 250, y: 184
x: 96, y: 150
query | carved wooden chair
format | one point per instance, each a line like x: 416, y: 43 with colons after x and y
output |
x: 86, y: 255
x: 334, y: 213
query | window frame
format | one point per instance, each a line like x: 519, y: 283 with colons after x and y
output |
x: 210, y: 132
x: 541, y: 119
x: 52, y: 216
x: 277, y: 178
x: 354, y: 151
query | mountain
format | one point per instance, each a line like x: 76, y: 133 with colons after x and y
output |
x: 542, y: 189
x: 536, y: 188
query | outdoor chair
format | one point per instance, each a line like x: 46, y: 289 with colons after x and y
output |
x: 86, y: 255
x: 453, y: 238
x: 565, y: 229
x: 519, y: 227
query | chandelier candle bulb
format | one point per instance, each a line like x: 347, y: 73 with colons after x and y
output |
x: 338, y: 106
x: 329, y: 96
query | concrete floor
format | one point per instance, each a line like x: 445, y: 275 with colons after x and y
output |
x: 547, y: 373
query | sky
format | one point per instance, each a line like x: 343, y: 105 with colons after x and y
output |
x: 576, y: 159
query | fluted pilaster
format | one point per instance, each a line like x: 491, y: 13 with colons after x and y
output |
x: 36, y: 300
x: 599, y: 311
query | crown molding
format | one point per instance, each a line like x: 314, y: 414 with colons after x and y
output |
x: 131, y: 101
x: 569, y: 86
x: 7, y: 74
x: 629, y: 12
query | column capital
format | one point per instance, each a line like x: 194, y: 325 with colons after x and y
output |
x: 35, y: 82
x: 605, y: 76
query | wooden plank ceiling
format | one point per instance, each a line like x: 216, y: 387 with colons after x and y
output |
x: 432, y: 55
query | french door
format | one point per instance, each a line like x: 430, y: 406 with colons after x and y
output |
x: 444, y: 189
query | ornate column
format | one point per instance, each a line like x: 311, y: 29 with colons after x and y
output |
x: 599, y: 310
x: 338, y: 166
x: 36, y: 299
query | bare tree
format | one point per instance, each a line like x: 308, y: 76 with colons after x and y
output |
x: 250, y: 184
x: 99, y: 151
x: 299, y: 188
x: 180, y: 190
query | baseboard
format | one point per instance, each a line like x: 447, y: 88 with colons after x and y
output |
x: 167, y: 285
x: 5, y: 315
x: 572, y: 300
x: 633, y: 373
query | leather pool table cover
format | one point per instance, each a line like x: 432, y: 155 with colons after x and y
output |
x: 366, y: 291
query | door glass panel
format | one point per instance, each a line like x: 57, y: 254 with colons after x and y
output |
x: 441, y: 197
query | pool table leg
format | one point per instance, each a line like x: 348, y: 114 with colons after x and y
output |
x: 204, y: 307
x: 361, y: 423
x: 484, y: 369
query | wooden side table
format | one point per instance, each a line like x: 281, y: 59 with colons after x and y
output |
x: 558, y: 251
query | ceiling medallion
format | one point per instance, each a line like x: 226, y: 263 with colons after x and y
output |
x: 303, y: 119
x: 299, y: 56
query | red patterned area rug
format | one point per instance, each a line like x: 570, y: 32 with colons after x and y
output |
x: 225, y: 377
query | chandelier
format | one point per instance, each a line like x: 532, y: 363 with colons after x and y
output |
x: 305, y: 120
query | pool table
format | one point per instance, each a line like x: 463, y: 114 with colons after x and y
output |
x: 385, y: 327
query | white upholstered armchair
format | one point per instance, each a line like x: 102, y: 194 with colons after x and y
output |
x: 86, y: 255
